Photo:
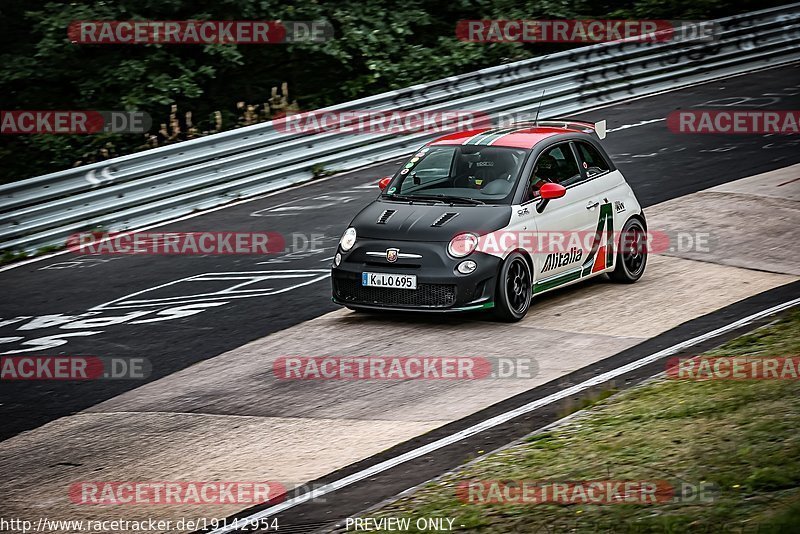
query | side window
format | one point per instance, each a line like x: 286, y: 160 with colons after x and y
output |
x: 591, y: 159
x: 556, y: 165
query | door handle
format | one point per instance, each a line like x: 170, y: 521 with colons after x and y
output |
x: 592, y: 204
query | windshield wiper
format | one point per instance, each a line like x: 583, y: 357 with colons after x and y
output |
x: 411, y: 198
x: 468, y: 200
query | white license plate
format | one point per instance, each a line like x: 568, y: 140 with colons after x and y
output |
x: 399, y: 281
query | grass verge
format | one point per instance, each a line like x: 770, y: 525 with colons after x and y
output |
x: 738, y: 441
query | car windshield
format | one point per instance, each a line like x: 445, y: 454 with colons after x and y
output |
x: 461, y: 173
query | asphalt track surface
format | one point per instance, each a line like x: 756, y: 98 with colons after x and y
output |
x: 328, y: 513
x: 44, y: 299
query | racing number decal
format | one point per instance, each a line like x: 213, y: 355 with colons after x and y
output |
x: 601, y: 257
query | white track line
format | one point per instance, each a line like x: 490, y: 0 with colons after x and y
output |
x: 688, y: 86
x: 498, y: 420
x: 640, y: 123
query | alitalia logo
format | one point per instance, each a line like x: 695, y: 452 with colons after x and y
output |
x: 560, y: 259
x: 601, y: 256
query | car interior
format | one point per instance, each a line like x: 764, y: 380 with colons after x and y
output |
x: 472, y: 171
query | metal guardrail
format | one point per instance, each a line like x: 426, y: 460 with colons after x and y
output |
x: 152, y: 186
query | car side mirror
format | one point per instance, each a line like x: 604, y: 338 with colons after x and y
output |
x: 548, y: 192
x: 383, y: 182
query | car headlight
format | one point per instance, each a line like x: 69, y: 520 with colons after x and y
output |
x: 348, y: 239
x: 462, y: 245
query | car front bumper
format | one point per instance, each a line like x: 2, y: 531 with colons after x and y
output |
x: 440, y: 287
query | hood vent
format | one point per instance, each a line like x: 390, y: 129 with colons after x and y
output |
x: 444, y: 219
x: 385, y: 216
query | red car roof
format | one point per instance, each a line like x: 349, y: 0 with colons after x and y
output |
x: 514, y: 137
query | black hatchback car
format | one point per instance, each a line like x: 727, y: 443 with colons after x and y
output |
x: 454, y: 228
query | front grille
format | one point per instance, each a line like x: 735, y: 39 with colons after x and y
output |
x: 428, y: 295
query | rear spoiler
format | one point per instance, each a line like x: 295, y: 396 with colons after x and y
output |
x: 598, y: 128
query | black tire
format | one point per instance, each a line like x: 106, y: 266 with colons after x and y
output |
x: 631, y: 253
x: 514, y: 289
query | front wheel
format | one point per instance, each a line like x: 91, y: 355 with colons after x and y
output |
x: 631, y: 253
x: 514, y: 287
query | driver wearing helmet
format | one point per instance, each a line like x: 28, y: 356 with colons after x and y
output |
x: 546, y: 171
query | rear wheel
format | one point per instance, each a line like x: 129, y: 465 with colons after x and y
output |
x: 631, y: 253
x: 513, y: 293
